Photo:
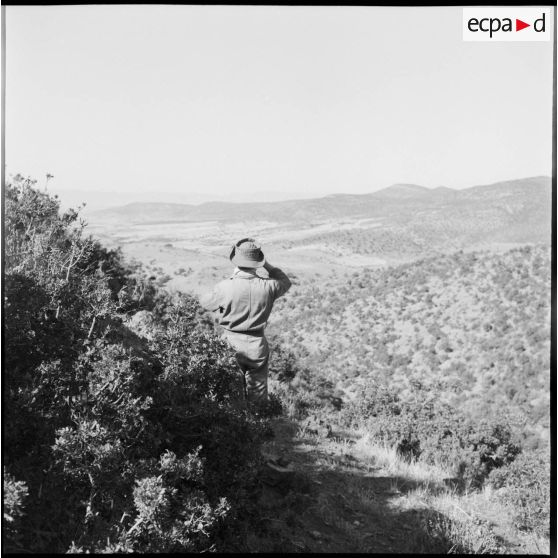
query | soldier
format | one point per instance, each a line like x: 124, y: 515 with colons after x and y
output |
x: 243, y: 303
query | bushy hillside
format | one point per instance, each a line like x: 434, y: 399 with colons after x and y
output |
x: 392, y: 241
x: 419, y: 224
x: 124, y: 430
x: 472, y: 326
x: 446, y: 360
x: 120, y: 435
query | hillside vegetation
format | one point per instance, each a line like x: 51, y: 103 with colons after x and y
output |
x: 447, y: 360
x: 125, y: 432
x: 472, y: 326
x: 115, y: 441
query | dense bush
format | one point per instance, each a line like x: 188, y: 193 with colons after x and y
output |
x: 525, y: 484
x: 15, y: 492
x: 426, y: 354
x: 121, y: 438
x: 472, y: 326
x: 284, y: 366
x: 298, y: 391
x: 434, y: 432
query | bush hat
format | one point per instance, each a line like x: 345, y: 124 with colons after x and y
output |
x: 246, y: 253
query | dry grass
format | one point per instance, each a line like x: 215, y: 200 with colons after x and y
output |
x: 470, y: 522
x: 386, y: 456
x: 368, y: 491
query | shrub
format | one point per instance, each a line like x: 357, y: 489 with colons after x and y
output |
x: 435, y: 432
x: 525, y: 484
x: 284, y: 365
x: 444, y: 535
x: 123, y: 442
x: 15, y: 492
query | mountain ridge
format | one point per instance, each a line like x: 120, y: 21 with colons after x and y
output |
x: 332, y: 206
x: 402, y: 190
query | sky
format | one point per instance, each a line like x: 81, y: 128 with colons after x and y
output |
x: 240, y: 103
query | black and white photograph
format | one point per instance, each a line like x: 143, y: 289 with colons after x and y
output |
x: 278, y: 279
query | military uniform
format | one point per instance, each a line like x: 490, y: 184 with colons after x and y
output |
x: 243, y: 304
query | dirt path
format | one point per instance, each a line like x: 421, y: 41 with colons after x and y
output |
x: 329, y: 501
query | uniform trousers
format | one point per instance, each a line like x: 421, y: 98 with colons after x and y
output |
x: 252, y: 356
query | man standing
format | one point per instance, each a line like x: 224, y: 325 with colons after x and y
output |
x: 243, y: 303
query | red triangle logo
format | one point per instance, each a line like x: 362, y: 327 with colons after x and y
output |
x: 519, y: 25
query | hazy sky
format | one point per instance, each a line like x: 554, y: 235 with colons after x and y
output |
x: 230, y: 102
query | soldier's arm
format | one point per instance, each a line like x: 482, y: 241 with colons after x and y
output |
x: 282, y: 282
x: 213, y: 300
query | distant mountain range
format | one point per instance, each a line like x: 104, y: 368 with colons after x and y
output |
x: 523, y: 203
x: 97, y: 200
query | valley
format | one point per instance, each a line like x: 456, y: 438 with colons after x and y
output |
x: 409, y: 374
x: 447, y: 290
x: 188, y: 245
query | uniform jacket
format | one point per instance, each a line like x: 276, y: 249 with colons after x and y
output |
x: 244, y: 301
